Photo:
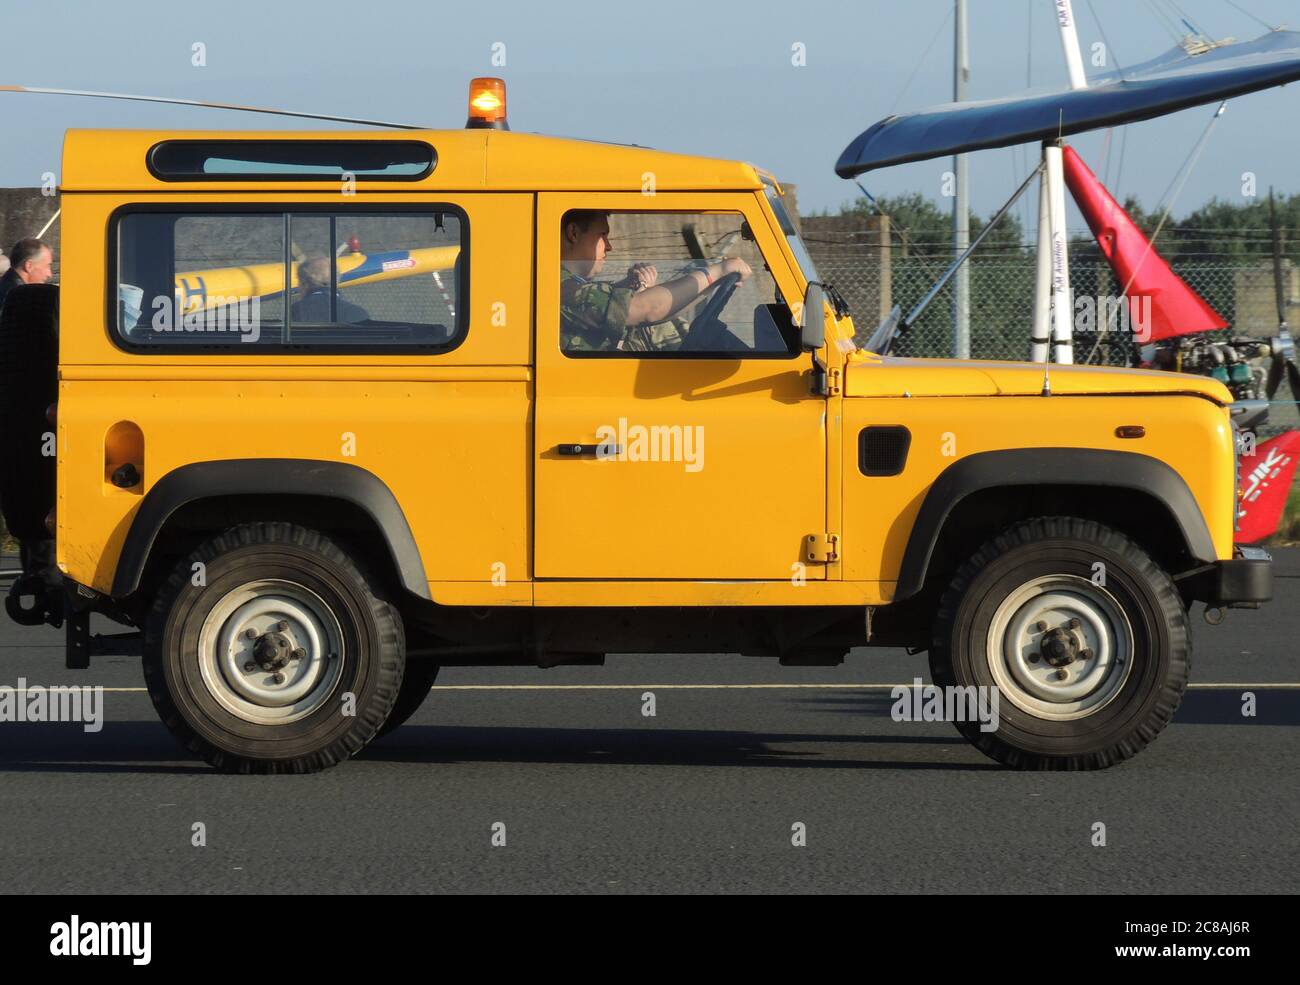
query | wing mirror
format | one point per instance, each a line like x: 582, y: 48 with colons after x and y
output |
x: 812, y: 326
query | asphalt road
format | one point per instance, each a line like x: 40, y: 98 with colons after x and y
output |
x: 702, y: 797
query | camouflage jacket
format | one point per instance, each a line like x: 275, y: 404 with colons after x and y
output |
x: 593, y: 318
x: 593, y: 315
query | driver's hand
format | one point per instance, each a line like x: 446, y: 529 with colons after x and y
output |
x: 640, y: 276
x: 735, y: 265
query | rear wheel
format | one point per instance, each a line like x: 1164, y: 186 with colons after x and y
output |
x: 1082, y: 634
x: 268, y: 652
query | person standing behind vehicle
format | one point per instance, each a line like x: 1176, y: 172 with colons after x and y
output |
x: 31, y: 261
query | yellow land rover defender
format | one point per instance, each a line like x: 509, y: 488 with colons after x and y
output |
x: 329, y: 411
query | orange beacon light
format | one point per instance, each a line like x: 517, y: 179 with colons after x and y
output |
x: 487, y: 104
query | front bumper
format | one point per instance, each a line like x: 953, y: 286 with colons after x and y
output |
x: 1245, y: 580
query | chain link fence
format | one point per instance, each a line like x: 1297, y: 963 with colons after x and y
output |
x: 1002, y: 300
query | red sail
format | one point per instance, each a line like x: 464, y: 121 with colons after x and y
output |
x: 1173, y: 308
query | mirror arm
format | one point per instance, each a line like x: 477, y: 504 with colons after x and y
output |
x: 819, y: 385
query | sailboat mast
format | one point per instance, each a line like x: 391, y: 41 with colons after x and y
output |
x: 1053, y: 310
x: 1070, y: 44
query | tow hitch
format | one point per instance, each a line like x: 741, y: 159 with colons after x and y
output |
x: 46, y: 602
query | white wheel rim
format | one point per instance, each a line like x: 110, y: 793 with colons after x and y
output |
x: 271, y: 652
x: 1060, y: 647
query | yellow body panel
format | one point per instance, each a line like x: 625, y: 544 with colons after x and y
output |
x: 430, y: 427
x: 763, y: 442
x: 871, y: 376
x: 1190, y: 434
x: 465, y: 439
x: 468, y: 160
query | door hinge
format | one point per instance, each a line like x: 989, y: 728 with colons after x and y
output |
x: 833, y: 383
x: 822, y: 548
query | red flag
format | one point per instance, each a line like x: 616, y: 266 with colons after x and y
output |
x: 1264, y: 482
x: 1173, y: 308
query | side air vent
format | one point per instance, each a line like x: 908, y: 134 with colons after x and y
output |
x: 883, y: 450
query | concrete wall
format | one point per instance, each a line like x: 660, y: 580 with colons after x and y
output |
x: 1253, y: 286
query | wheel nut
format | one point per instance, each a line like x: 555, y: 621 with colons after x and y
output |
x: 282, y: 627
x: 299, y: 653
x: 1033, y: 658
x: 248, y: 667
x: 1074, y: 624
x: 1085, y: 654
x: 1042, y: 627
x: 250, y: 633
x: 1062, y: 674
x: 278, y: 678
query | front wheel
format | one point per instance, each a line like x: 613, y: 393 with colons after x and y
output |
x: 1083, y: 636
x: 267, y: 651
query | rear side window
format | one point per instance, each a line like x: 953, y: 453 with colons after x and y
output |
x: 303, y: 160
x: 356, y: 281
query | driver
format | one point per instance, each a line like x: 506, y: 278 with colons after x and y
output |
x: 598, y: 316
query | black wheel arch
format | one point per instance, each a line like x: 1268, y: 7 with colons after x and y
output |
x: 278, y: 477
x: 1153, y: 487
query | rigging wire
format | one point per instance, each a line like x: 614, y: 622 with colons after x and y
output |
x: 1187, y: 21
x: 1170, y: 26
x: 1258, y: 20
x: 917, y: 68
x: 1029, y: 81
x: 1110, y: 48
x: 1186, y: 172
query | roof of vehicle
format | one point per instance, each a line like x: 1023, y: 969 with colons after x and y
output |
x: 497, y: 160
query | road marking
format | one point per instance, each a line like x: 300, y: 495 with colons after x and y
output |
x: 682, y: 687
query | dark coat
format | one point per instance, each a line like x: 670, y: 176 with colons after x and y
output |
x: 7, y: 283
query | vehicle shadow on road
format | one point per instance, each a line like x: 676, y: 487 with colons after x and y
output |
x: 651, y: 746
x: 122, y: 747
x: 1223, y: 706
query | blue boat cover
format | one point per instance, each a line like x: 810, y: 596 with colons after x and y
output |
x: 1167, y: 84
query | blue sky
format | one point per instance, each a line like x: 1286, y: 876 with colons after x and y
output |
x: 712, y: 79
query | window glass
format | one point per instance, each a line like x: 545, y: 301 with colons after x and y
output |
x: 791, y: 234
x: 235, y: 160
x: 667, y: 284
x: 356, y: 281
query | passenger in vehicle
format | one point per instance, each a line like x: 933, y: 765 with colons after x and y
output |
x: 313, y: 304
x: 608, y: 315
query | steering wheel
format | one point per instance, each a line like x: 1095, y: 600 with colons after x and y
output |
x: 708, y: 315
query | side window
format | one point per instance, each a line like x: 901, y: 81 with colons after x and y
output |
x: 667, y: 285
x: 357, y: 282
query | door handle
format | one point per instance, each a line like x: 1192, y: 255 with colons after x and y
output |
x: 577, y: 450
